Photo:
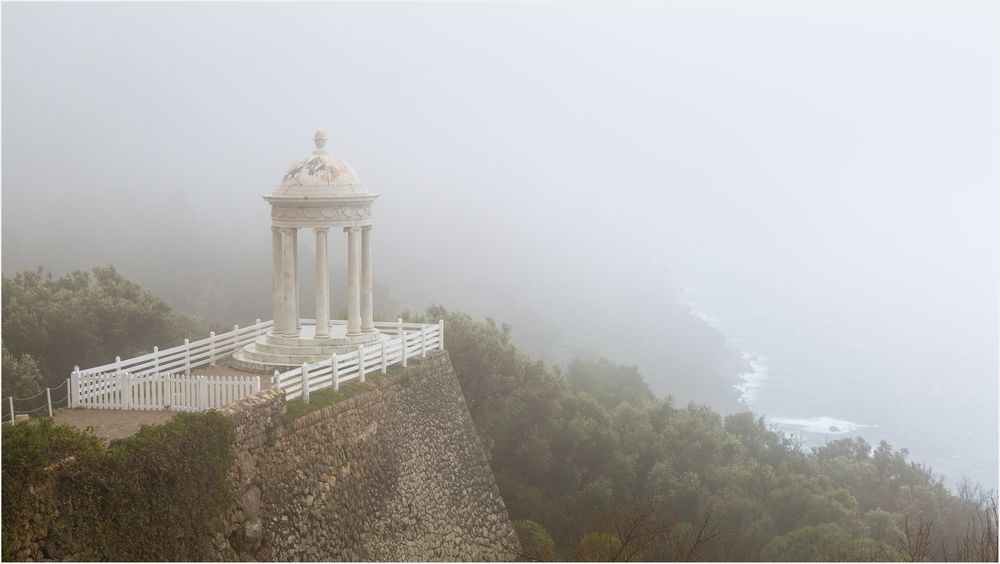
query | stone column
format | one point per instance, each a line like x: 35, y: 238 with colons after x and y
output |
x: 353, y: 281
x: 295, y: 261
x: 277, y: 293
x: 367, y: 324
x: 322, y: 284
x: 289, y: 283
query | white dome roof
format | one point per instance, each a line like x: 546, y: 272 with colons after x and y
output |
x: 320, y: 173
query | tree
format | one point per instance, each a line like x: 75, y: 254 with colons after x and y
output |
x: 825, y: 542
x: 608, y: 383
x: 85, y: 318
x: 854, y: 449
x: 21, y: 376
x: 598, y: 547
x: 536, y: 542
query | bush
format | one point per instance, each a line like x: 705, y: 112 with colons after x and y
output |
x: 155, y: 496
x: 598, y: 547
x: 536, y: 542
x: 21, y: 376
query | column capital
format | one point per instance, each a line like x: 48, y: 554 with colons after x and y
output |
x: 275, y: 229
x: 353, y: 229
x: 289, y: 230
x: 366, y: 228
x: 321, y: 230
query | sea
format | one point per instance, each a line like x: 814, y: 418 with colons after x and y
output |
x: 936, y: 397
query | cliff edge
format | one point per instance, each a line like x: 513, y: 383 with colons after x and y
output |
x: 394, y: 473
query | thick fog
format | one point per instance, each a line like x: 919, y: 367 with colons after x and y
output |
x: 569, y: 168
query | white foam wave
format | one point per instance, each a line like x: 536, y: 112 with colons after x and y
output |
x: 820, y: 425
x: 750, y: 381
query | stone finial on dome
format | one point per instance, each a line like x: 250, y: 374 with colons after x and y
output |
x: 321, y: 171
x: 320, y: 140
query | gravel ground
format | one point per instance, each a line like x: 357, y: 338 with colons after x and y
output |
x: 110, y: 424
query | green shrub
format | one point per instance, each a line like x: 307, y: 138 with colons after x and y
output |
x: 155, y: 496
x: 598, y: 547
x: 536, y: 542
x: 21, y: 376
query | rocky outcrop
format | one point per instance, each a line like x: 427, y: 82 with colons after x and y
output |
x: 394, y: 473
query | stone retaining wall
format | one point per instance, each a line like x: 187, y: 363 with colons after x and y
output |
x: 394, y: 473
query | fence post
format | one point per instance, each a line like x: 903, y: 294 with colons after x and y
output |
x: 202, y: 393
x: 126, y: 386
x: 48, y: 398
x: 118, y: 364
x: 423, y: 341
x: 11, y: 399
x: 335, y: 370
x: 211, y: 348
x: 257, y: 325
x: 187, y: 356
x: 156, y: 360
x: 305, y: 383
x: 361, y: 362
x: 236, y: 338
x: 385, y: 358
x: 402, y: 339
x: 256, y: 384
x: 274, y: 380
x: 440, y: 334
x: 74, y: 387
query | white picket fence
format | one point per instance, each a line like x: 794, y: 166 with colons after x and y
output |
x: 163, y: 379
x: 166, y: 376
x: 183, y: 358
x: 175, y: 392
x: 406, y: 340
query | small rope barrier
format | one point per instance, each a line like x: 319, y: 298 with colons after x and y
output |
x: 10, y: 413
x: 28, y: 398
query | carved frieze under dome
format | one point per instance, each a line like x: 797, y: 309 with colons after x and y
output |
x: 332, y: 212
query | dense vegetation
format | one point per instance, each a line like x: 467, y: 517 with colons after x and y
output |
x: 593, y: 467
x: 149, y: 497
x: 85, y: 318
x: 590, y: 463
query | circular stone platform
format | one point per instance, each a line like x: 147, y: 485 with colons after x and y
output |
x: 283, y: 352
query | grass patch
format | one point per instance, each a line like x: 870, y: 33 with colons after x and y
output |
x: 318, y: 400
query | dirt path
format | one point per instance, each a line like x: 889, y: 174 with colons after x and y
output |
x: 110, y: 424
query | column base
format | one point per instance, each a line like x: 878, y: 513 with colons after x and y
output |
x: 278, y: 352
x: 338, y: 337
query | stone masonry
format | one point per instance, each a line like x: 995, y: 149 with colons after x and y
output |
x: 395, y: 473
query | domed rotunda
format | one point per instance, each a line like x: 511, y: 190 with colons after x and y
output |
x: 319, y: 192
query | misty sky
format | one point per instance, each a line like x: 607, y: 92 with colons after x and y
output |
x: 833, y: 159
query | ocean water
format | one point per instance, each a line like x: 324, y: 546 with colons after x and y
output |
x: 919, y: 387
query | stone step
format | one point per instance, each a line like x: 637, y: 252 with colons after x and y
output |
x: 239, y: 363
x: 251, y: 354
x: 261, y: 344
x: 281, y: 340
